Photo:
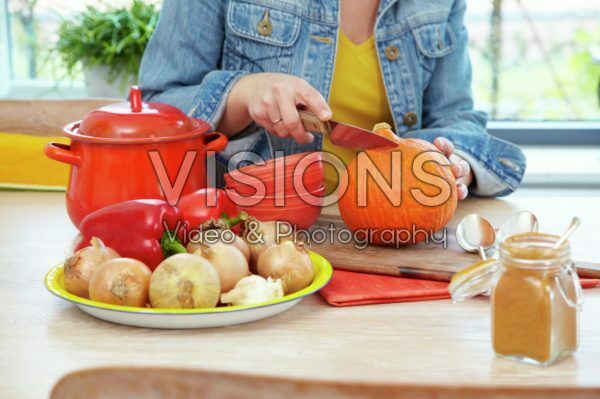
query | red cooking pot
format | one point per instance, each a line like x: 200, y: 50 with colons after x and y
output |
x: 110, y: 153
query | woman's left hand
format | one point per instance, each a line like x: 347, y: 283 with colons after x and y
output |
x: 460, y: 168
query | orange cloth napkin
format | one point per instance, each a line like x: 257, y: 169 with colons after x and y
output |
x: 352, y: 289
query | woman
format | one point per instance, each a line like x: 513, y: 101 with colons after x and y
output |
x: 245, y: 65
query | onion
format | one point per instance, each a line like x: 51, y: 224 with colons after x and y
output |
x: 252, y: 290
x: 261, y: 235
x: 230, y: 263
x: 80, y: 266
x: 242, y: 245
x: 121, y: 281
x: 201, y: 240
x: 184, y: 281
x: 288, y: 261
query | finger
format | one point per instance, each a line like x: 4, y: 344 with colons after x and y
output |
x: 279, y: 95
x: 273, y: 116
x: 444, y: 145
x: 278, y: 126
x: 461, y: 168
x: 289, y: 115
x: 462, y: 191
x: 260, y: 116
x: 466, y: 167
x: 314, y: 101
x: 292, y: 123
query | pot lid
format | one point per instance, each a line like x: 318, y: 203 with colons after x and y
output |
x: 136, y: 121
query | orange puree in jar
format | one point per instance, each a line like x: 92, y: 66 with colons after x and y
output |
x: 532, y: 320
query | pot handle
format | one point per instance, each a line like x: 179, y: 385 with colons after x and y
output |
x: 215, y: 141
x: 62, y: 153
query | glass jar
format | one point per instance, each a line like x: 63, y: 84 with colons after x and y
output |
x: 535, y: 298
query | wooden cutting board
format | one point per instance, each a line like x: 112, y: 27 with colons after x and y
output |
x: 430, y: 261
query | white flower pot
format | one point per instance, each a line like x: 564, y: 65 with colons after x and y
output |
x: 97, y: 85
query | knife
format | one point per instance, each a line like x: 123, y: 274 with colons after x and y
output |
x: 345, y: 135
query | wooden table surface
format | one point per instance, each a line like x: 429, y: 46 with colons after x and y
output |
x: 430, y: 343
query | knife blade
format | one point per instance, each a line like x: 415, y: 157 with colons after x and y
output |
x: 344, y: 135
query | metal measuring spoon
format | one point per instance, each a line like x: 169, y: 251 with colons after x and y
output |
x: 475, y: 234
x: 520, y: 222
x: 572, y: 227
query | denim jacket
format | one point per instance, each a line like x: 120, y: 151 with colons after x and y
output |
x: 200, y: 48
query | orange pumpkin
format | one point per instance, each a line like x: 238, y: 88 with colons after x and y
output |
x: 398, y: 208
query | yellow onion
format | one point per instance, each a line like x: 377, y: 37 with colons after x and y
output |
x: 252, y: 290
x: 185, y: 281
x: 79, y: 267
x: 289, y: 262
x: 121, y: 281
x: 230, y: 263
x: 201, y: 240
x: 240, y: 244
x: 261, y: 235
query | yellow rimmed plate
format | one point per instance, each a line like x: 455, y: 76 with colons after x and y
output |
x: 189, y: 318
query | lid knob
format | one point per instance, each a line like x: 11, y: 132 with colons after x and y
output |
x: 135, y: 99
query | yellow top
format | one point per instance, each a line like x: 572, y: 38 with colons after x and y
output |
x: 357, y: 95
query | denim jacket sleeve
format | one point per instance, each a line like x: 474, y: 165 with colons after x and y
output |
x: 498, y: 166
x: 181, y: 62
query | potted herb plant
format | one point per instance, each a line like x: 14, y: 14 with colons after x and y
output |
x: 107, y: 45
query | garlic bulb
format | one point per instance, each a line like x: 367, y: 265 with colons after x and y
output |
x: 253, y: 289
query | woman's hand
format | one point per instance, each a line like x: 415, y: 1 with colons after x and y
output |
x: 271, y: 100
x: 460, y: 168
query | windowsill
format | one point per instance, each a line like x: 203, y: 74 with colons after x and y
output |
x: 37, y: 89
x: 560, y: 167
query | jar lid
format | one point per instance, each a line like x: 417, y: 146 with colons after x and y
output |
x: 136, y: 121
x: 473, y: 280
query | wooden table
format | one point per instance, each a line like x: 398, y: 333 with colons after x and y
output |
x: 432, y: 344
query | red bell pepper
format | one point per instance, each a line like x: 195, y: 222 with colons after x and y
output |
x: 134, y: 228
x: 206, y: 204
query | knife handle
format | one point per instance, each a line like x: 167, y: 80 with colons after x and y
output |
x: 312, y: 123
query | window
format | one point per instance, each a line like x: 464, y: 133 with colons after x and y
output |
x: 536, y: 59
x: 29, y: 31
x: 536, y: 72
x: 30, y: 67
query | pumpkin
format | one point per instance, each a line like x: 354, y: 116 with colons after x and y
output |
x: 398, y: 208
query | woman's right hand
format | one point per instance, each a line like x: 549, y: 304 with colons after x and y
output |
x: 272, y: 100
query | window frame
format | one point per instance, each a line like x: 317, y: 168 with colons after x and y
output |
x: 547, y: 133
x: 5, y: 53
x: 45, y: 89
